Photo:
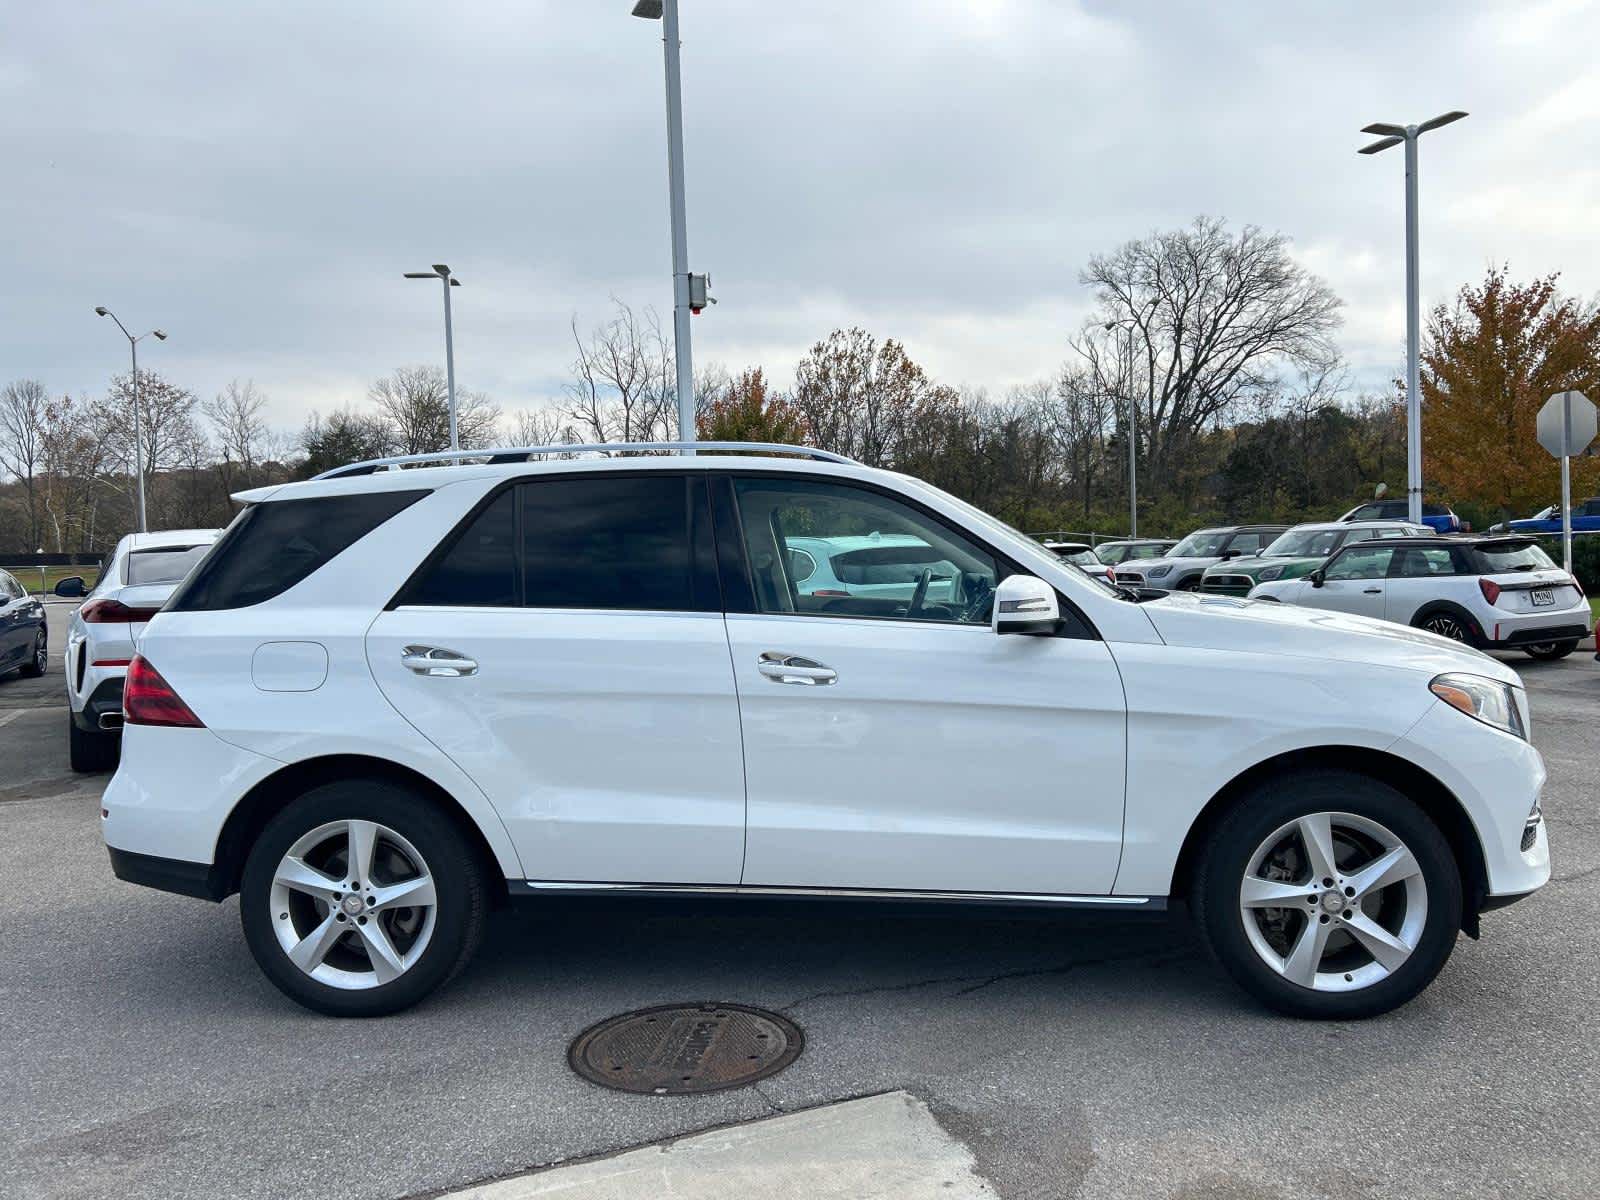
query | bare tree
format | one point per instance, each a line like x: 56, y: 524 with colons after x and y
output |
x: 78, y: 447
x: 1212, y: 318
x: 22, y: 411
x: 235, y: 415
x: 415, y: 404
x: 623, y: 387
x: 544, y: 426
x: 1076, y: 415
x: 866, y: 400
x: 166, y: 417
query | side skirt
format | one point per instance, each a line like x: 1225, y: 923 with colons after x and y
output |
x: 527, y: 888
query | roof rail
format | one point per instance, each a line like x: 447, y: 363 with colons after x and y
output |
x: 503, y: 454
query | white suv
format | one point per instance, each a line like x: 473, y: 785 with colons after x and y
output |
x: 1499, y: 593
x: 386, y: 702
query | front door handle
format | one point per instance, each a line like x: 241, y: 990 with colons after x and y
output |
x: 434, y: 660
x: 1372, y: 591
x: 791, y: 668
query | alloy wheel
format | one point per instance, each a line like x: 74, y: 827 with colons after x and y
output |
x: 1446, y: 626
x: 353, y: 904
x: 1333, y: 902
x: 41, y: 654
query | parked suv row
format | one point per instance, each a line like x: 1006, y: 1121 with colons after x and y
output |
x: 383, y: 703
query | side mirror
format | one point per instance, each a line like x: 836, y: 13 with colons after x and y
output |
x: 1318, y: 577
x: 71, y: 587
x: 1025, y: 604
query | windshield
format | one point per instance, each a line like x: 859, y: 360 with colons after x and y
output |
x: 166, y: 565
x: 1517, y: 557
x: 1202, y: 543
x: 1306, y: 543
x: 1083, y: 558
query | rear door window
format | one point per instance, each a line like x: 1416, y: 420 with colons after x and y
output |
x: 167, y: 564
x: 479, y: 566
x: 273, y: 545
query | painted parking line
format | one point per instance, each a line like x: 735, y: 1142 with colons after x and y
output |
x: 11, y: 714
x: 886, y: 1147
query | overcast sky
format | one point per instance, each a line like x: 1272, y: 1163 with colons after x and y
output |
x: 255, y: 177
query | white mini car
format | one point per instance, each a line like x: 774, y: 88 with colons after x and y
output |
x: 104, y: 630
x: 388, y: 700
x: 1490, y: 592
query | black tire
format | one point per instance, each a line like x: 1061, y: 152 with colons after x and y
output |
x: 1253, y: 818
x: 1551, y: 651
x: 90, y: 753
x: 39, y: 662
x: 1450, y: 622
x: 458, y: 877
x: 1192, y: 584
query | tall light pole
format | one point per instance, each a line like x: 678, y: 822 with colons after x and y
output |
x: 666, y: 11
x: 138, y: 429
x: 442, y: 273
x: 1133, y: 433
x: 1394, y: 135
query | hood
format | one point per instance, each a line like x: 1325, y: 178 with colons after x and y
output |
x: 1292, y: 564
x: 1226, y: 623
x: 1145, y: 565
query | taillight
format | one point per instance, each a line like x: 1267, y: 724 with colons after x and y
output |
x: 1489, y: 588
x: 148, y: 699
x: 114, y: 612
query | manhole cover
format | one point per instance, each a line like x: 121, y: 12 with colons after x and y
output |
x: 681, y: 1048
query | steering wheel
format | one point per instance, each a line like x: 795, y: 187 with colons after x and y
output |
x: 914, y: 609
x: 979, y: 611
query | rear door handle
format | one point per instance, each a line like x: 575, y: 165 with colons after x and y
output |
x: 791, y: 668
x: 434, y: 660
x: 1372, y: 591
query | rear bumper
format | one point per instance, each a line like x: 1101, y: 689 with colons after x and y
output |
x: 196, y: 879
x: 104, y: 701
x: 1532, y: 630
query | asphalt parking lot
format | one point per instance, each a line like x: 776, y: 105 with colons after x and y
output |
x: 144, y: 1055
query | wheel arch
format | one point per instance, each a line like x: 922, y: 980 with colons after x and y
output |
x: 1438, y: 801
x: 269, y: 797
x: 1473, y: 625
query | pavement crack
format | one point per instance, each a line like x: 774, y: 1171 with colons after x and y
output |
x: 979, y: 982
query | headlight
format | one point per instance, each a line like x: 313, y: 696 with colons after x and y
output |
x: 1488, y: 700
x: 1269, y: 574
x: 1158, y: 572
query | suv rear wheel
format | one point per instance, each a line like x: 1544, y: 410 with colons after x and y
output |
x: 89, y: 752
x: 1551, y: 651
x: 360, y: 898
x: 1328, y: 894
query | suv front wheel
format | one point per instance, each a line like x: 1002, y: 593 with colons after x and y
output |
x: 360, y: 898
x: 1328, y: 894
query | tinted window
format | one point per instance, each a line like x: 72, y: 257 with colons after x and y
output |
x: 1361, y: 562
x: 272, y: 546
x: 1421, y: 562
x: 1367, y: 512
x: 1518, y: 556
x: 617, y: 541
x: 882, y: 552
x: 167, y: 565
x: 480, y: 566
x: 1393, y: 510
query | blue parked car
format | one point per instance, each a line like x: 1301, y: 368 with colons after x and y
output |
x: 1437, y: 517
x: 1585, y: 519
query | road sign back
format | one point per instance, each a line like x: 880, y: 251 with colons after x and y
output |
x: 1566, y: 424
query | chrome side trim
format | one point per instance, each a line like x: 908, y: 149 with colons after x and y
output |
x: 538, y: 886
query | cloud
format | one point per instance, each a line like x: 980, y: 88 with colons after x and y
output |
x: 256, y: 177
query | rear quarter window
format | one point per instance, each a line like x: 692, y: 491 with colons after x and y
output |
x: 273, y: 545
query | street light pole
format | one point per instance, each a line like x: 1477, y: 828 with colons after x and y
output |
x: 441, y: 272
x: 666, y: 11
x: 1394, y: 135
x: 1133, y: 434
x: 138, y: 429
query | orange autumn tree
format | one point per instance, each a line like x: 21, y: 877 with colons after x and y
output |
x: 1490, y: 361
x: 746, y: 411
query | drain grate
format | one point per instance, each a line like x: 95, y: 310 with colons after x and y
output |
x: 680, y: 1049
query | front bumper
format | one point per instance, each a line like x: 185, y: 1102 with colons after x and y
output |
x: 1497, y: 779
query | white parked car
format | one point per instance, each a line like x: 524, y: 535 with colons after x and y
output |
x: 1500, y: 593
x: 104, y: 630
x: 388, y: 701
x: 1082, y: 556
